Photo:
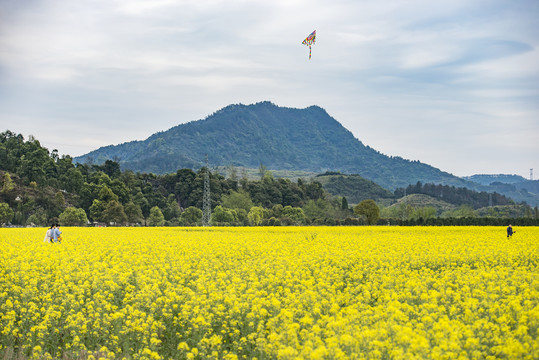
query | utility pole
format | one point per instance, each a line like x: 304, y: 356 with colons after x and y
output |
x: 206, y: 201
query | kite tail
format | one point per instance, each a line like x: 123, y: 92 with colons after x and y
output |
x: 309, y: 52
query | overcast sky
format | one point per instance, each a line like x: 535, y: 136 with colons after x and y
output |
x: 454, y: 84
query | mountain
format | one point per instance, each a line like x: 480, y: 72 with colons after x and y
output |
x: 514, y: 186
x: 280, y: 138
x: 353, y: 187
x: 486, y: 179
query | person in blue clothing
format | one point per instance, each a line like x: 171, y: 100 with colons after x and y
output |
x: 510, y: 231
x: 56, y: 234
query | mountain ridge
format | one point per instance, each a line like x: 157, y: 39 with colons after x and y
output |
x: 280, y: 138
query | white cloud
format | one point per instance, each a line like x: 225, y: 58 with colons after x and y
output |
x: 405, y: 77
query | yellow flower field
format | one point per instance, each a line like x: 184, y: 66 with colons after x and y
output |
x: 271, y: 293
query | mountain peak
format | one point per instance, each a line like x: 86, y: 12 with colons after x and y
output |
x: 280, y: 138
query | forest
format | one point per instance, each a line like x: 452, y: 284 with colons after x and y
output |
x: 39, y: 187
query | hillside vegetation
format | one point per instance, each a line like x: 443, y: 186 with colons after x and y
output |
x: 39, y: 187
x: 279, y: 138
x: 354, y: 187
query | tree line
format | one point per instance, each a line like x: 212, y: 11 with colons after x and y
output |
x: 39, y: 187
x: 455, y: 195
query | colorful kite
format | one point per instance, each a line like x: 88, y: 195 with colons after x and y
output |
x: 309, y: 41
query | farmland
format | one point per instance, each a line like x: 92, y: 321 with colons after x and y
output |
x: 261, y: 292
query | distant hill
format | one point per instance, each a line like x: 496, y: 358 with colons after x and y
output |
x: 278, y: 137
x: 486, y: 179
x: 421, y: 201
x: 513, y: 186
x: 354, y: 187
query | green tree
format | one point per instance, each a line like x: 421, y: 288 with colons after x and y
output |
x: 6, y: 214
x: 192, y: 215
x: 39, y: 217
x: 59, y: 199
x: 344, y: 203
x: 237, y: 200
x: 255, y: 215
x: 114, y: 213
x: 96, y: 210
x: 143, y: 203
x: 462, y: 212
x: 106, y: 194
x: 156, y: 217
x: 111, y: 168
x: 72, y: 216
x: 34, y: 163
x: 7, y: 184
x: 240, y: 216
x: 121, y: 190
x: 221, y: 215
x: 295, y: 214
x: 133, y: 213
x: 315, y: 209
x: 424, y: 213
x: 172, y: 210
x: 369, y: 210
x: 72, y: 180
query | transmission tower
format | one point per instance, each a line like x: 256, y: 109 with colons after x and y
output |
x: 531, y: 174
x: 206, y: 201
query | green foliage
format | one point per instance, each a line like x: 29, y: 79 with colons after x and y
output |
x: 368, y: 210
x: 255, y: 216
x: 354, y: 187
x: 107, y: 194
x: 73, y: 217
x: 456, y: 196
x: 39, y: 217
x: 295, y: 214
x: 192, y: 216
x: 114, y: 213
x: 464, y: 211
x: 172, y: 209
x: 96, y: 210
x: 237, y: 200
x: 156, y: 217
x: 7, y: 184
x: 344, y: 203
x: 6, y: 214
x: 414, y: 206
x: 72, y: 180
x: 133, y: 213
x: 425, y: 213
x: 222, y: 216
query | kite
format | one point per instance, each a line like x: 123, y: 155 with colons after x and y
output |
x: 309, y: 41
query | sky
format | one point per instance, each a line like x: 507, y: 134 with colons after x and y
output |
x: 454, y: 84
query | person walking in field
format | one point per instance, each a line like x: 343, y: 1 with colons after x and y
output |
x: 48, y: 234
x: 510, y: 231
x: 56, y: 234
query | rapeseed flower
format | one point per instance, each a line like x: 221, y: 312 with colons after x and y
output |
x: 294, y: 292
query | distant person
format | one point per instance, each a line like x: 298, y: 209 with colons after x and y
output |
x: 56, y: 234
x: 510, y: 231
x: 48, y: 234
